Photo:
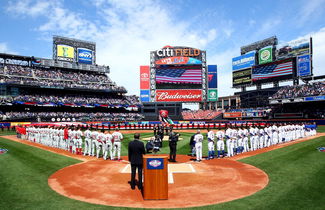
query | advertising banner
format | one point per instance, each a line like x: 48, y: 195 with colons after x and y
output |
x: 275, y: 69
x: 144, y: 77
x: 65, y: 53
x: 212, y: 95
x: 144, y: 95
x: 243, y: 61
x: 232, y: 114
x: 315, y: 98
x: 303, y: 65
x: 212, y: 76
x: 85, y: 56
x: 294, y: 48
x: 179, y: 95
x: 265, y: 55
x: 178, y: 60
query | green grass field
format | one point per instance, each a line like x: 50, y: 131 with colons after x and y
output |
x: 296, y: 177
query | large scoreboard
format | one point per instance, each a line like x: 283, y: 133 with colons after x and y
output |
x: 178, y: 74
x: 267, y: 61
x: 74, y: 50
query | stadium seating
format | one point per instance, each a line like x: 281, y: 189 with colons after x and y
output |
x: 71, y: 116
x: 200, y: 114
x: 14, y: 74
x: 311, y: 89
x: 59, y: 94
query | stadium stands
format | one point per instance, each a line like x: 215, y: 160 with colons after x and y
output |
x: 75, y: 100
x: 39, y: 93
x: 71, y: 116
x: 200, y: 114
x: 310, y: 89
x: 21, y: 75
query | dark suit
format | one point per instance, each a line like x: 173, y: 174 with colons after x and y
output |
x: 136, y: 152
x: 173, y: 138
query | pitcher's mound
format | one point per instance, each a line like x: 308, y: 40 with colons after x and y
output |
x: 194, y: 184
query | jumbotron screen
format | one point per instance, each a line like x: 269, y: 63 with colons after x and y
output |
x: 178, y: 77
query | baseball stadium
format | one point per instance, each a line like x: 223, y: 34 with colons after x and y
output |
x: 72, y: 137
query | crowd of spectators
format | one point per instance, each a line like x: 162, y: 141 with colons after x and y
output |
x: 55, y: 78
x: 296, y: 91
x: 200, y: 114
x: 72, y: 99
x: 71, y: 116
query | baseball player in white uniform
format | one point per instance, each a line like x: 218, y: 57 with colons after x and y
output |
x: 78, y: 141
x: 99, y: 144
x: 117, y: 138
x: 220, y: 143
x: 228, y: 141
x: 198, y: 145
x: 87, y: 149
x: 94, y: 135
x: 245, y: 140
x: 210, y: 136
x: 107, y: 146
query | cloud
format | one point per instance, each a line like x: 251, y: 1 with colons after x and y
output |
x: 310, y: 9
x: 5, y: 49
x: 125, y: 33
x: 28, y: 8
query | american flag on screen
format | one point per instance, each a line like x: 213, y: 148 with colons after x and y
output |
x: 177, y: 76
x: 274, y: 70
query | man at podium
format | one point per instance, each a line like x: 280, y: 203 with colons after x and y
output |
x: 136, y: 152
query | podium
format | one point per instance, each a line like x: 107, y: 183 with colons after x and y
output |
x: 155, y: 177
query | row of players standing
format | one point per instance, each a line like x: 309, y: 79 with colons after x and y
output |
x: 70, y: 139
x: 248, y: 139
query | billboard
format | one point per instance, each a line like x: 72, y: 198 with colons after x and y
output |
x: 74, y: 50
x: 212, y: 76
x: 243, y: 61
x: 303, y: 65
x: 178, y: 76
x: 144, y: 77
x: 276, y: 70
x: 65, y: 53
x: 85, y: 56
x: 242, y: 77
x: 232, y: 114
x: 178, y: 60
x: 265, y: 55
x: 193, y: 95
x: 294, y: 48
x: 212, y: 94
x: 180, y: 72
x: 144, y: 95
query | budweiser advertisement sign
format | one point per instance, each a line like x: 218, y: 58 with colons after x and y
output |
x: 144, y: 77
x: 179, y: 95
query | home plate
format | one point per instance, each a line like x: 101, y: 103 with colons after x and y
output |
x: 172, y: 168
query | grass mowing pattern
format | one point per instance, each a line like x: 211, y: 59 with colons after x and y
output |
x: 296, y: 177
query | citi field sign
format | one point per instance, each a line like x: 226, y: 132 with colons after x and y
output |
x: 169, y: 51
x: 178, y: 55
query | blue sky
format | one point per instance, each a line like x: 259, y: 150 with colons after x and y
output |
x: 126, y: 31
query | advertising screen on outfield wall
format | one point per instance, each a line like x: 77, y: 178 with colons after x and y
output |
x: 294, y: 48
x: 276, y: 71
x: 243, y: 61
x: 65, y: 53
x: 178, y: 77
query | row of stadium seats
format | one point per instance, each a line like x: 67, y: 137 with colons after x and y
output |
x: 70, y: 99
x: 296, y: 91
x: 200, y: 114
x: 56, y: 78
x: 78, y: 116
